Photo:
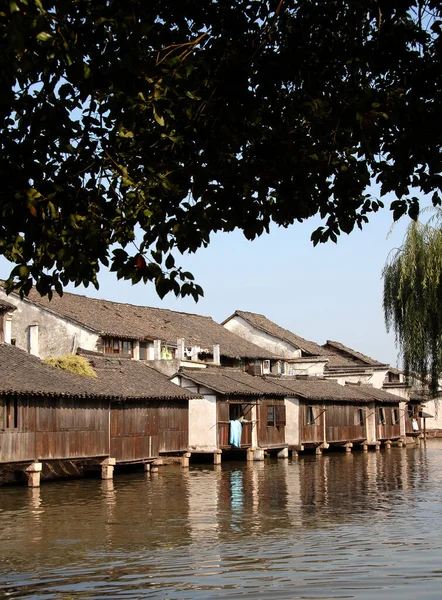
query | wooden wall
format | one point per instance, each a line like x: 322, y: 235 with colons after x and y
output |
x: 342, y: 423
x: 56, y: 428
x: 270, y: 435
x: 141, y: 430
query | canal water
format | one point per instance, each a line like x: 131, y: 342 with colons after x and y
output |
x: 334, y: 526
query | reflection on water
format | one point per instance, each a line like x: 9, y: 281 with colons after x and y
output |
x: 331, y: 526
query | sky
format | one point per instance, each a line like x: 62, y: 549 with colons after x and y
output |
x: 328, y: 292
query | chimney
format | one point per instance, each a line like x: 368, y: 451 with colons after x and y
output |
x: 180, y: 349
x: 7, y: 328
x: 157, y: 349
x: 216, y: 355
x: 33, y: 340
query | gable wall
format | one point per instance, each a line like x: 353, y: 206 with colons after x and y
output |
x: 260, y: 338
x: 56, y: 335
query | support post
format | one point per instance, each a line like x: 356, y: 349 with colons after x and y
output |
x: 185, y: 460
x: 147, y: 467
x: 33, y: 473
x: 348, y: 447
x: 107, y: 468
x: 387, y: 444
x: 318, y: 450
x: 217, y: 457
x: 283, y: 453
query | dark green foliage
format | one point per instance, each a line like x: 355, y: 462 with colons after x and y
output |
x: 179, y: 118
x: 413, y: 301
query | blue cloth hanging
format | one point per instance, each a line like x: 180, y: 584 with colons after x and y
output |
x: 235, y: 433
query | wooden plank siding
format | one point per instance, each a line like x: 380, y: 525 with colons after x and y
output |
x: 56, y: 428
x: 345, y: 423
x: 173, y: 426
x: 271, y: 435
x: 311, y: 432
x: 224, y: 415
x: 387, y: 429
x: 143, y: 430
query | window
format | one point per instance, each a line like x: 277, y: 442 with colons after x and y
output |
x: 395, y: 416
x: 8, y: 413
x: 381, y: 416
x: 360, y: 417
x: 116, y: 346
x: 282, y: 367
x: 276, y: 415
x: 266, y: 366
x: 143, y: 350
x: 410, y: 411
x: 310, y: 416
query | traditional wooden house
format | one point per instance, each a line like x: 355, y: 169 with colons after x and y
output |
x: 332, y: 415
x: 150, y: 418
x: 170, y: 338
x: 52, y: 420
x: 229, y: 396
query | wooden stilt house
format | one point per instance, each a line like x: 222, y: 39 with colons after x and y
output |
x: 231, y: 395
x: 50, y: 417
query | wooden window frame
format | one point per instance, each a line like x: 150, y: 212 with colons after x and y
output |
x: 9, y: 412
x: 394, y: 416
x: 310, y: 416
x: 115, y: 346
x: 360, y: 417
x: 276, y: 415
x: 382, y: 418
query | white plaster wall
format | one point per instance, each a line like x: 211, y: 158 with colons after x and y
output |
x: 315, y: 369
x: 202, y: 424
x: 56, y: 335
x: 378, y: 378
x: 434, y: 407
x: 292, y: 421
x: 399, y: 391
x: 342, y: 379
x: 245, y: 330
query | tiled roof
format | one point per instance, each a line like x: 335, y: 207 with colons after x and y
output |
x: 261, y: 322
x: 23, y: 374
x: 332, y: 346
x: 133, y: 379
x: 114, y: 319
x: 377, y: 394
x: 6, y: 306
x: 322, y: 390
x: 232, y: 382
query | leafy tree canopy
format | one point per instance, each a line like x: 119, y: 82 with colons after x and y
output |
x: 413, y: 300
x: 174, y: 119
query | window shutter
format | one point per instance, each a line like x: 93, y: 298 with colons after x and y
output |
x: 280, y: 415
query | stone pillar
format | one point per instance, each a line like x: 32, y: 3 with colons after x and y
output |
x: 258, y: 454
x: 284, y: 453
x: 157, y: 349
x: 136, y: 350
x: 185, y: 460
x: 180, y: 349
x: 387, y: 444
x: 107, y: 468
x: 318, y: 450
x: 33, y: 473
x: 147, y: 467
x: 402, y: 413
x: 217, y: 457
x: 33, y: 340
x: 216, y: 355
x: 348, y: 447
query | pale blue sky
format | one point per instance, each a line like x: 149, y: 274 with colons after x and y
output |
x: 328, y: 292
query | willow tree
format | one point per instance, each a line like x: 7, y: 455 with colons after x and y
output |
x: 132, y: 130
x: 413, y: 300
